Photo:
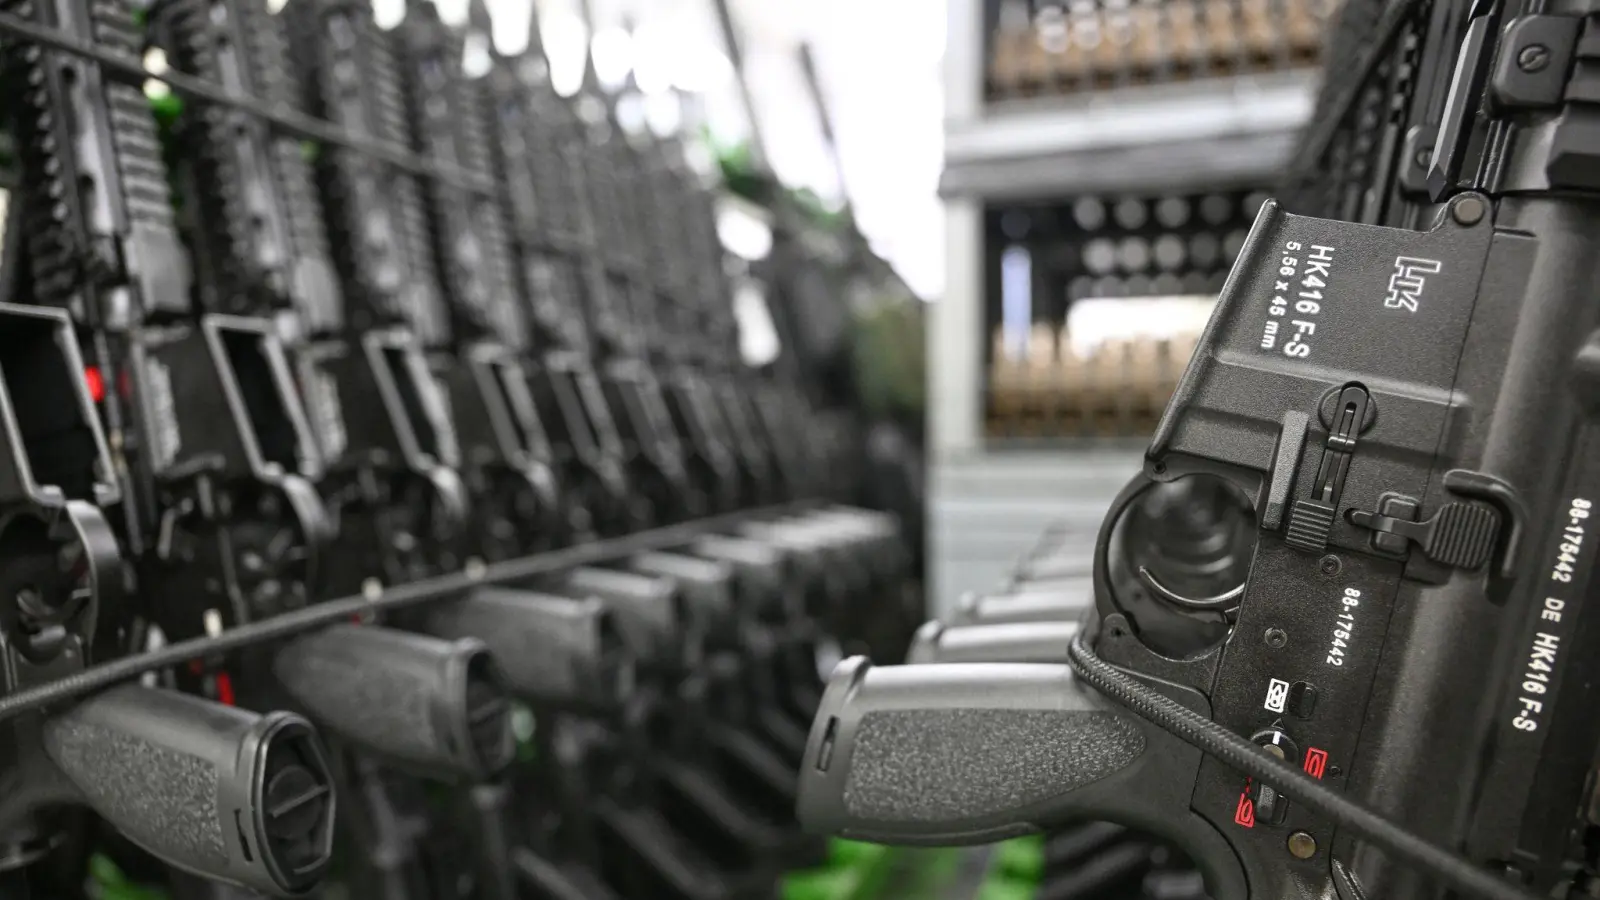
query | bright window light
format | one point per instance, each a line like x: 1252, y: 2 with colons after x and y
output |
x: 758, y: 337
x: 613, y: 56
x: 475, y: 58
x: 565, y: 42
x: 388, y: 13
x: 451, y: 12
x: 656, y: 57
x: 703, y: 70
x: 510, y: 24
x: 745, y: 236
x: 631, y: 113
x: 664, y: 112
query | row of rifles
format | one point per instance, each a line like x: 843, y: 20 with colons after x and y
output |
x: 346, y: 328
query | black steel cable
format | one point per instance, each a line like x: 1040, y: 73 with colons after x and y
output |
x: 1244, y: 756
x: 289, y: 120
x: 128, y: 668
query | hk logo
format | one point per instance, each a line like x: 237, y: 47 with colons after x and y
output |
x: 1408, y: 281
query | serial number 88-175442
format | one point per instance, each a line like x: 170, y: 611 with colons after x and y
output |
x: 1343, y: 626
x: 1571, y: 541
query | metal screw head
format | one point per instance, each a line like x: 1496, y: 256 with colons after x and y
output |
x: 1330, y: 565
x: 1469, y: 210
x: 1423, y: 157
x: 1276, y: 638
x: 1302, y: 845
x: 1533, y: 58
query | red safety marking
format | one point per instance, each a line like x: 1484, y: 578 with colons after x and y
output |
x: 1246, y: 813
x: 224, y: 689
x: 1316, y: 762
x: 96, y: 383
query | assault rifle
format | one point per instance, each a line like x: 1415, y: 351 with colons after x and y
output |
x: 1398, y: 384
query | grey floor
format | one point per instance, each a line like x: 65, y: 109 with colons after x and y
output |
x: 985, y: 511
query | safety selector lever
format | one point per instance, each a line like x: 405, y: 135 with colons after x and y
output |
x: 1311, y: 519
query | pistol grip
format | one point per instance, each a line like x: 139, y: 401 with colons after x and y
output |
x: 960, y: 754
x: 956, y: 754
x: 213, y: 790
x: 552, y: 650
x: 421, y: 702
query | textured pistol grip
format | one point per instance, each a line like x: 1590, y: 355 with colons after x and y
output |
x: 552, y: 650
x: 956, y: 754
x: 423, y: 703
x: 1009, y: 642
x: 220, y: 792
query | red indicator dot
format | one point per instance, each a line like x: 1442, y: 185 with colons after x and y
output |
x: 97, y: 384
x: 224, y: 689
x: 1316, y: 762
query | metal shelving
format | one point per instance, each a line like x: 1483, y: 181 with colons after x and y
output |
x: 1220, y: 132
x: 1179, y: 130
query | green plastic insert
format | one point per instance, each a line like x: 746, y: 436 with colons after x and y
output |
x: 855, y: 871
x: 113, y: 885
x: 858, y: 871
x: 167, y: 108
x: 1021, y: 859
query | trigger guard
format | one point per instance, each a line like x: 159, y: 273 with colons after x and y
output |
x: 449, y: 496
x: 311, y: 518
x: 101, y: 556
x: 535, y: 481
x: 1161, y: 472
x: 1104, y: 598
x: 542, y: 482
